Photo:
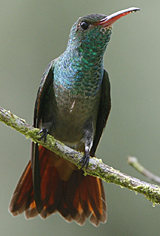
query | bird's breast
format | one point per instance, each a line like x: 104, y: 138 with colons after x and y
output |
x: 73, y: 111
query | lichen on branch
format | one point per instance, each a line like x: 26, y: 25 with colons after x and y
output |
x: 96, y: 166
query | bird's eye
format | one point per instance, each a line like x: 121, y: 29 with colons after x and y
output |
x: 84, y: 25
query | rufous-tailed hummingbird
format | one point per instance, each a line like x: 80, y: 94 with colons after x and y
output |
x: 73, y: 103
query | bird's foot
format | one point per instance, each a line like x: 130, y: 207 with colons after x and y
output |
x: 43, y: 133
x: 85, y: 160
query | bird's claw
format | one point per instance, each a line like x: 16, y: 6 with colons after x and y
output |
x: 43, y: 133
x: 85, y: 160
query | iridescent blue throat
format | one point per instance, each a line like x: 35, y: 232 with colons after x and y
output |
x: 80, y: 68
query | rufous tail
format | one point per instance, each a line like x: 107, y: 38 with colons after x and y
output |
x: 64, y: 188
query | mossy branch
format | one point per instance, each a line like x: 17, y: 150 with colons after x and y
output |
x: 96, y: 166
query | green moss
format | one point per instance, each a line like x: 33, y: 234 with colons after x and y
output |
x: 108, y: 174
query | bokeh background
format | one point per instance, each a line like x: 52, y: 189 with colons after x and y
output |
x: 32, y: 33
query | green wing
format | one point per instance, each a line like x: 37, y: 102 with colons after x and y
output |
x: 41, y: 113
x: 104, y: 110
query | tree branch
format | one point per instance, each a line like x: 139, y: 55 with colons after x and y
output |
x: 96, y: 166
x: 133, y: 161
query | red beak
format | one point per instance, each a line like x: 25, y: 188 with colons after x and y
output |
x: 109, y: 20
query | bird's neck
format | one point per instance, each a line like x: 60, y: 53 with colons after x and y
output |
x: 80, y: 71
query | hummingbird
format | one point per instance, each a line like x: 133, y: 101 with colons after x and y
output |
x: 73, y: 103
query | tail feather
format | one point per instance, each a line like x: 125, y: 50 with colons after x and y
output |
x: 64, y: 188
x: 23, y: 195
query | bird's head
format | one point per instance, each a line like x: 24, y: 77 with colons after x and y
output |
x: 92, y: 32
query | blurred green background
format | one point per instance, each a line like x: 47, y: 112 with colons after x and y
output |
x: 32, y: 33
